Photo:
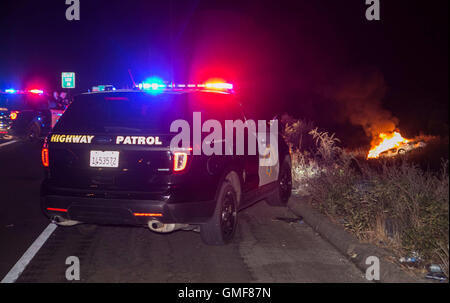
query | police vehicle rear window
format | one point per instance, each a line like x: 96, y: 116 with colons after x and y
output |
x: 12, y: 102
x: 122, y: 112
x: 23, y: 101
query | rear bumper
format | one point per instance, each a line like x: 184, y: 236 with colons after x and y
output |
x: 122, y: 211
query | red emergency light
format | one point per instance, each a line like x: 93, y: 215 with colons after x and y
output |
x: 36, y: 91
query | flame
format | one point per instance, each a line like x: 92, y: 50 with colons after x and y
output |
x: 388, y: 141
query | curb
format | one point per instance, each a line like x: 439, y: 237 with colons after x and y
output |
x: 348, y: 245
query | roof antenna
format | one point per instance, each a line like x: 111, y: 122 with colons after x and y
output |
x: 131, y: 76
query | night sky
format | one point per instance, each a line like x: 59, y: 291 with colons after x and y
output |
x: 281, y: 56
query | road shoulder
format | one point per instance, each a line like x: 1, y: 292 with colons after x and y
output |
x: 348, y: 245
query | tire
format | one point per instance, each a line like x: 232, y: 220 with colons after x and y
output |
x: 283, y: 192
x: 220, y: 229
x: 33, y: 133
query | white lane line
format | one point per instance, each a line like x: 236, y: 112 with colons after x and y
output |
x: 7, y: 143
x: 20, y: 266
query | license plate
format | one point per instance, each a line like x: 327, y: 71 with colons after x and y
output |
x: 104, y: 158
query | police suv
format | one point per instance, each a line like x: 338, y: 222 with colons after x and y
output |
x: 109, y: 160
x: 24, y: 114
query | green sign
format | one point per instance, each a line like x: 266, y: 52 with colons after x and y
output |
x: 68, y: 80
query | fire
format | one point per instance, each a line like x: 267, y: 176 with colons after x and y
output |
x: 388, y: 141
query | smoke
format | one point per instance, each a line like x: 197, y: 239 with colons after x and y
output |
x: 359, y: 100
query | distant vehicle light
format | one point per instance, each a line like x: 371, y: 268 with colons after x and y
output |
x: 10, y: 91
x: 109, y: 88
x: 103, y: 88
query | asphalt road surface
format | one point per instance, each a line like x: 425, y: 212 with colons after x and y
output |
x: 265, y: 249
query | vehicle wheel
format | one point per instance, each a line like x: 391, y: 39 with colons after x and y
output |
x: 86, y: 229
x: 219, y: 230
x: 33, y: 133
x: 283, y: 192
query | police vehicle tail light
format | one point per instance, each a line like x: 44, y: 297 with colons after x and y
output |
x: 44, y: 153
x: 13, y: 115
x: 179, y: 161
x: 44, y: 156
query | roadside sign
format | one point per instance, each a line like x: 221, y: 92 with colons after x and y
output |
x: 68, y: 80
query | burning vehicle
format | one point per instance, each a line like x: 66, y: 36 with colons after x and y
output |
x: 402, y: 149
x: 394, y: 144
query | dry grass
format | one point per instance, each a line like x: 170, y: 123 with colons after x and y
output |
x: 394, y: 203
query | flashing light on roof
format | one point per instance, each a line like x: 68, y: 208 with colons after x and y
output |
x: 151, y: 85
x: 219, y: 85
x: 36, y: 91
x: 154, y: 86
x: 15, y: 91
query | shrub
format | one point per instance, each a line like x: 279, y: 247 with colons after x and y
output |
x: 394, y: 202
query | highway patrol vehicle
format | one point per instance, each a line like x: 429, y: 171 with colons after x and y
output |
x: 25, y: 114
x: 108, y: 160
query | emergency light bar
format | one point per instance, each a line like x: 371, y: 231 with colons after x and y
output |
x: 156, y: 86
x: 32, y: 91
